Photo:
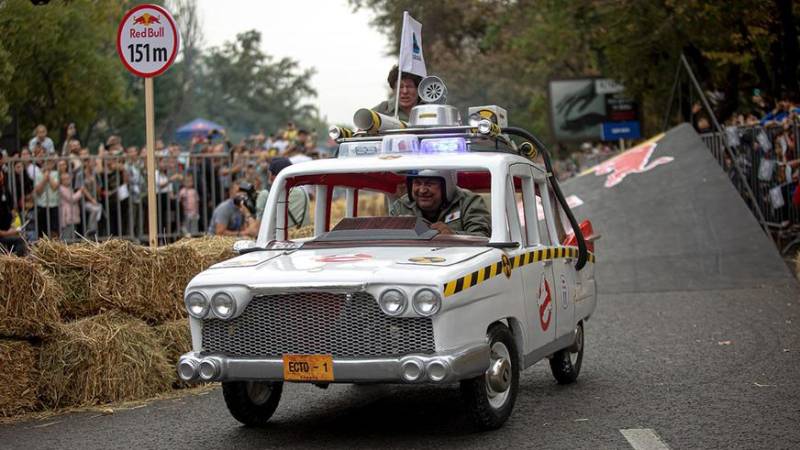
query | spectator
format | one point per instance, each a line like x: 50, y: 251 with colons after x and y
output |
x: 70, y: 207
x: 10, y: 238
x: 47, y: 200
x: 231, y: 216
x: 70, y: 134
x: 94, y: 211
x: 190, y: 205
x: 134, y: 169
x: 40, y: 138
x: 298, y: 199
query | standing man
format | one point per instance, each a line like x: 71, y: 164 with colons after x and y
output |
x: 408, y: 94
x: 298, y: 199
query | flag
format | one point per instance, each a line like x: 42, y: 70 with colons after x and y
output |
x: 411, y: 59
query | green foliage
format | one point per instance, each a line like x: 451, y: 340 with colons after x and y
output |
x: 247, y: 90
x: 504, y: 51
x: 63, y: 55
x: 6, y: 70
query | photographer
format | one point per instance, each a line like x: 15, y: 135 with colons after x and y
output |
x: 233, y: 217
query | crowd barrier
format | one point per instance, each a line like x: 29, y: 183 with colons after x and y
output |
x: 768, y: 161
x: 117, y: 203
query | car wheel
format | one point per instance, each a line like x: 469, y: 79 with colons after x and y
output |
x: 566, y: 363
x: 490, y: 397
x: 252, y: 402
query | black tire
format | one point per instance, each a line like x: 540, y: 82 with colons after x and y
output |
x: 249, y: 404
x: 486, y: 411
x: 566, y: 363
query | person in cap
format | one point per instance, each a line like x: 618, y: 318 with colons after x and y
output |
x: 298, y: 198
x: 434, y: 196
x: 408, y: 95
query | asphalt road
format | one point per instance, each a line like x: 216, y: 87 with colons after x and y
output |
x: 695, y: 339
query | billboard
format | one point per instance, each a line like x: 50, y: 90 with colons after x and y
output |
x: 592, y: 109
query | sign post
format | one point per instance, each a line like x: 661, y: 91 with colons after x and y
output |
x: 147, y: 44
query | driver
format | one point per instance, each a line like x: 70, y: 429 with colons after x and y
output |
x: 434, y: 196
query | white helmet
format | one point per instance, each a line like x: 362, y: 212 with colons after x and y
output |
x: 448, y: 176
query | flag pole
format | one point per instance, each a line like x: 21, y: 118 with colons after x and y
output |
x: 399, y: 69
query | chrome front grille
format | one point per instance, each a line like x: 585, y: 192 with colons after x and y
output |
x: 344, y: 325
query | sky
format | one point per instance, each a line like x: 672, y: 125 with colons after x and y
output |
x: 348, y: 54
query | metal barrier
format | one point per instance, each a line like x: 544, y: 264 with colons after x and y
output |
x: 105, y: 197
x: 768, y: 160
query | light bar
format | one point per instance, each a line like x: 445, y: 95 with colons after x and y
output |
x: 443, y: 145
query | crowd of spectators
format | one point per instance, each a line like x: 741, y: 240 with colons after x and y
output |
x: 67, y: 192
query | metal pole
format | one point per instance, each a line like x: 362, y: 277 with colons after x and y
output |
x: 728, y: 149
x: 149, y: 114
x: 671, y: 98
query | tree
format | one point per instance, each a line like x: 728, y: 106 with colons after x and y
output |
x: 6, y: 71
x: 246, y: 90
x: 65, y: 63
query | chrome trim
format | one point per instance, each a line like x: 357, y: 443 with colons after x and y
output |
x: 206, y: 299
x: 548, y: 349
x: 463, y: 363
x: 400, y: 311
x: 278, y: 288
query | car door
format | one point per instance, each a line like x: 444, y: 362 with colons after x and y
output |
x: 562, y: 264
x: 537, y: 274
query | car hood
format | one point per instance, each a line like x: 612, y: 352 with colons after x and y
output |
x: 404, y: 265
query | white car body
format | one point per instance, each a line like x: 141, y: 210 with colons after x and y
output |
x: 532, y: 288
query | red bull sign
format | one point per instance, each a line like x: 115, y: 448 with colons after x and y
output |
x: 147, y: 40
x: 635, y: 160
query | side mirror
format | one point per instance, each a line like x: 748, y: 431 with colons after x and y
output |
x: 244, y: 244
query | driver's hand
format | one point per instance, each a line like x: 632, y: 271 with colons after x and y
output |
x: 442, y: 228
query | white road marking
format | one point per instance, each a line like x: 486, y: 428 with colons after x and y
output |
x: 644, y: 439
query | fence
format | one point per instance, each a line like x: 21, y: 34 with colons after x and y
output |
x: 104, y: 197
x: 768, y: 160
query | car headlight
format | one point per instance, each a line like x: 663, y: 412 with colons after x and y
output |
x: 224, y: 305
x: 196, y: 305
x: 393, y: 302
x: 426, y: 302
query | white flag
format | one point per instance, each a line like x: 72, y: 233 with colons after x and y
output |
x: 411, y: 59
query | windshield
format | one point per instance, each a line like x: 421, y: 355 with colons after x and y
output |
x: 409, y: 207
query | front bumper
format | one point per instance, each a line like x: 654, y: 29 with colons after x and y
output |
x: 441, y: 367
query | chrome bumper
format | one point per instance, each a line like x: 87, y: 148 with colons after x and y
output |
x: 441, y: 367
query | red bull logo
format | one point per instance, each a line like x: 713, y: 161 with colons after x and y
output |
x: 146, y: 19
x: 636, y: 160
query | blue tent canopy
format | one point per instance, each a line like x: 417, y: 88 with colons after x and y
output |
x: 197, y: 127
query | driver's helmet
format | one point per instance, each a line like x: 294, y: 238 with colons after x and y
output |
x: 448, y: 177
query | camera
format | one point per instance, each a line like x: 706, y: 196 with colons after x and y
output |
x: 246, y: 196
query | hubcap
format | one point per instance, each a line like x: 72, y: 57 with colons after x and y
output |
x: 576, y: 348
x: 258, y: 392
x: 498, y: 377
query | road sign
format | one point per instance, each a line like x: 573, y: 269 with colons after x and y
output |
x: 147, y: 44
x: 147, y: 40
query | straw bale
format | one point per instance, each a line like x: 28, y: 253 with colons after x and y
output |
x: 29, y: 298
x: 124, y: 276
x: 18, y: 379
x: 302, y: 232
x: 211, y: 249
x: 175, y: 339
x: 106, y: 358
x: 71, y: 266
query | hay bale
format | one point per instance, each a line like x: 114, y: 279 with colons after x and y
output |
x: 71, y: 267
x: 175, y: 339
x: 18, y: 379
x: 211, y: 249
x: 123, y: 276
x: 106, y: 358
x: 29, y: 299
x: 302, y: 232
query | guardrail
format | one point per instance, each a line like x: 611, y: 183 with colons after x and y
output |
x: 107, y: 196
x: 769, y: 163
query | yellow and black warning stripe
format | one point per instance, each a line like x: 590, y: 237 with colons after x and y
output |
x: 506, y: 265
